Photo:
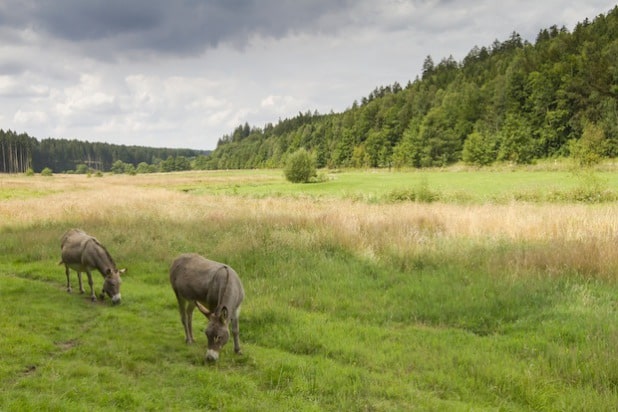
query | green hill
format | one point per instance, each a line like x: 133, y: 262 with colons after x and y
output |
x: 512, y: 101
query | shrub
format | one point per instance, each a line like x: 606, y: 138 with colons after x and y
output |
x: 118, y: 167
x: 300, y: 167
x: 129, y: 169
x: 46, y: 172
x: 422, y: 193
x: 144, y: 167
x: 590, y: 149
x: 81, y: 169
x: 479, y: 149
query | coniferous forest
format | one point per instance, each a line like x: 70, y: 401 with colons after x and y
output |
x: 20, y: 152
x: 512, y: 101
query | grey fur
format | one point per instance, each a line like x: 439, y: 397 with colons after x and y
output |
x: 216, y: 290
x: 82, y: 253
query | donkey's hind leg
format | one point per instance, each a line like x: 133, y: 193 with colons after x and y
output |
x: 186, y: 315
x: 81, y: 286
x: 66, y: 269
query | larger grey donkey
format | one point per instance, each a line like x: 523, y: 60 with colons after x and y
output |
x: 216, y: 290
x: 82, y: 252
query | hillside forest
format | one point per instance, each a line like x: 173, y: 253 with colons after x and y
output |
x: 512, y: 101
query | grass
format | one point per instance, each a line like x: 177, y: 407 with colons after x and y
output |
x: 540, y: 184
x: 354, y: 301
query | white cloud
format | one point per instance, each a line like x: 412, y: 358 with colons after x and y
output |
x: 279, y: 104
x: 26, y: 118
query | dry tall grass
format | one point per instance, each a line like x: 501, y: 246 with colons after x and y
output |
x: 551, y: 238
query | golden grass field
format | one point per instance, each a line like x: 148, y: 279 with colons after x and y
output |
x: 579, y: 236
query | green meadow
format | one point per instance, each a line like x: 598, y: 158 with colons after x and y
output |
x: 434, y: 290
x: 464, y: 185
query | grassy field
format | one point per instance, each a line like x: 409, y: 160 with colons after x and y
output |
x: 494, y: 290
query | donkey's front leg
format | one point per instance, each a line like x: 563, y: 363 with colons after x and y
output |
x: 235, y: 333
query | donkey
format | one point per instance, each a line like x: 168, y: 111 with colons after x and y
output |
x: 217, y: 292
x: 82, y: 252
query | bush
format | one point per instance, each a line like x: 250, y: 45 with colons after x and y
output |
x: 300, y: 167
x: 144, y: 167
x: 422, y: 194
x: 46, y: 172
x: 82, y: 169
x: 590, y: 149
x: 479, y: 149
x: 129, y: 169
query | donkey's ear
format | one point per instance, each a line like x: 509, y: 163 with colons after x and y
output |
x: 223, y: 316
x: 202, y: 309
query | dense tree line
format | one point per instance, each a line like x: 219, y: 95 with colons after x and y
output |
x: 15, y: 152
x: 512, y: 101
x: 20, y: 152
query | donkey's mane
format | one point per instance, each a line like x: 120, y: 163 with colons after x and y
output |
x: 105, y: 250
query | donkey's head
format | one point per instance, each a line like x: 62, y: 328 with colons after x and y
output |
x: 217, y: 330
x: 111, y: 284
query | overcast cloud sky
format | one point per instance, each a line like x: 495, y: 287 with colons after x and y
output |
x: 164, y: 73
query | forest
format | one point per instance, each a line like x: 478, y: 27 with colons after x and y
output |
x: 20, y: 153
x: 512, y: 101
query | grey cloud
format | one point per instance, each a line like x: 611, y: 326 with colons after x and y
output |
x: 88, y: 20
x: 170, y: 27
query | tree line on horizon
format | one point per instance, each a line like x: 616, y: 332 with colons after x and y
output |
x: 19, y: 153
x: 511, y: 102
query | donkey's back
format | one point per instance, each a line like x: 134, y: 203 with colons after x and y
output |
x: 82, y: 253
x: 72, y: 245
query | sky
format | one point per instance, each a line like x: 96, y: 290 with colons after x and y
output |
x: 182, y: 74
